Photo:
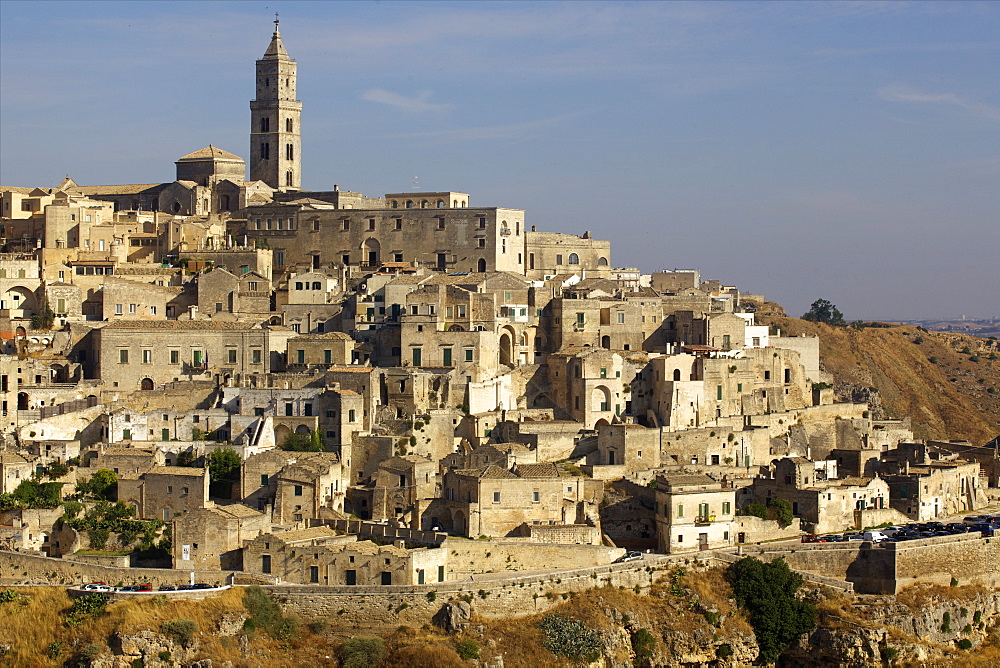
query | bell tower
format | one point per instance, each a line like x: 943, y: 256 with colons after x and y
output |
x: 275, y: 115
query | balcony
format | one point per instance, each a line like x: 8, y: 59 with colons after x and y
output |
x: 704, y: 520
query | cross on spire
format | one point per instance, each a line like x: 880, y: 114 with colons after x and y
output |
x: 276, y: 22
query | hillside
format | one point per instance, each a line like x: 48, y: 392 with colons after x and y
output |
x: 947, y: 383
x: 688, y: 618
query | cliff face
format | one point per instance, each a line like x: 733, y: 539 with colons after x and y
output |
x: 948, y: 384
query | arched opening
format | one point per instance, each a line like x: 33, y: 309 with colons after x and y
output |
x: 606, y: 342
x: 601, y: 423
x: 677, y: 374
x: 303, y: 429
x: 507, y: 348
x: 281, y: 434
x: 440, y: 204
x: 458, y: 522
x: 175, y: 207
x: 481, y: 265
x: 20, y: 298
x: 574, y: 258
x: 22, y: 401
x: 542, y: 400
x: 601, y: 399
x: 146, y: 384
x: 602, y: 262
x: 371, y: 249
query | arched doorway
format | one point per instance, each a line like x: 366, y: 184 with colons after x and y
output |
x: 606, y: 342
x: 506, y: 349
x: 22, y: 401
x: 371, y: 250
x: 146, y: 384
x: 458, y: 522
x: 601, y: 399
x: 482, y: 265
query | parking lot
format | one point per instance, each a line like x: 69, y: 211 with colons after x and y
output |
x: 985, y: 524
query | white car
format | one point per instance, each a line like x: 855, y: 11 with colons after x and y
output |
x: 96, y: 586
x: 875, y: 536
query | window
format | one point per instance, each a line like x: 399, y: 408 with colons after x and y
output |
x: 255, y: 355
x: 314, y: 574
x: 289, y: 179
x: 147, y: 356
x: 123, y: 356
x: 680, y: 510
x: 496, y: 497
x: 118, y: 309
x: 300, y: 356
x: 416, y: 356
x: 251, y: 285
x: 289, y: 152
x: 298, y: 490
x: 447, y: 356
x: 621, y: 318
x: 580, y: 319
x: 265, y: 125
x: 726, y: 507
x: 263, y: 479
x: 347, y: 225
x: 196, y: 357
x: 350, y: 415
x: 231, y: 356
x: 574, y: 258
x: 482, y: 223
x: 558, y: 259
x: 152, y: 309
x: 288, y: 122
x: 718, y: 393
x: 327, y: 357
x: 536, y: 497
x: 468, y: 354
x: 175, y: 357
x: 265, y: 151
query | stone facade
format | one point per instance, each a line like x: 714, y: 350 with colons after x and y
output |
x: 693, y: 512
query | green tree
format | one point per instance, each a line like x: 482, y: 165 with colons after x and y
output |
x: 823, y: 310
x: 303, y: 442
x: 767, y: 592
x: 223, y: 465
x: 781, y: 510
x: 362, y: 652
x: 102, y: 485
x: 45, y: 318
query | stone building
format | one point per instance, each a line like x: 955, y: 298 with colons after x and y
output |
x: 492, y: 501
x: 693, y: 512
x: 209, y: 539
x: 319, y: 556
x: 135, y: 355
x: 165, y: 491
x: 275, y: 120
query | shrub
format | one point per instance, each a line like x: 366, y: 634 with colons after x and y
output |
x: 967, y: 629
x: 468, y: 649
x: 643, y: 643
x: 724, y: 651
x: 88, y: 605
x: 977, y: 616
x: 568, y: 637
x: 318, y: 626
x: 9, y: 595
x: 431, y: 596
x: 965, y: 644
x: 180, y: 631
x: 946, y: 623
x: 164, y: 656
x: 54, y: 649
x: 954, y: 583
x: 266, y: 615
x: 362, y: 652
x: 767, y: 592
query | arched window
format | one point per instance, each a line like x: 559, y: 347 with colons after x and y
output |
x: 409, y: 204
x: 298, y: 285
x: 677, y: 374
x: 393, y: 204
x: 265, y: 125
x: 574, y: 258
x: 316, y: 285
x: 423, y: 204
x: 440, y: 204
x: 265, y: 151
x: 289, y: 152
x: 288, y: 178
x: 288, y: 125
x: 602, y: 262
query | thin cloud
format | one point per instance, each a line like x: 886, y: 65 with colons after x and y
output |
x: 899, y: 93
x: 519, y: 131
x: 418, y: 103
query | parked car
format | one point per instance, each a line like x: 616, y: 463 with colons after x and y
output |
x: 185, y: 587
x: 628, y: 556
x: 874, y: 536
x: 96, y: 586
x: 853, y: 536
x: 145, y: 587
x: 202, y: 585
x: 168, y: 588
x: 986, y: 529
x: 129, y: 588
x: 813, y: 538
x: 975, y: 519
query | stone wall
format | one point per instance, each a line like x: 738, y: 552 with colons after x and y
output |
x: 965, y: 557
x: 392, y: 606
x: 17, y: 568
x: 468, y: 557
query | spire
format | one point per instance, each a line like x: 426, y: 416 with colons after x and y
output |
x: 276, y: 50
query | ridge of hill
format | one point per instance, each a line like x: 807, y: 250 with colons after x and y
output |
x: 947, y: 383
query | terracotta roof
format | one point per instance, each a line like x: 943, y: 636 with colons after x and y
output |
x: 490, y: 471
x: 544, y: 470
x: 688, y: 479
x: 210, y: 152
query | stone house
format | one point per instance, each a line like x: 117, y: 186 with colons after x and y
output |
x: 163, y: 492
x: 221, y: 291
x: 306, y: 486
x: 136, y: 355
x: 630, y: 446
x: 492, y: 501
x: 693, y: 512
x: 319, y: 556
x: 319, y: 350
x: 925, y: 488
x: 209, y: 539
x: 14, y: 469
x: 400, y: 486
x: 589, y: 385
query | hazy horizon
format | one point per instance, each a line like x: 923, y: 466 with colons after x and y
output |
x: 848, y: 151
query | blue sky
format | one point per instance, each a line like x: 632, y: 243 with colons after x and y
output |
x: 848, y: 150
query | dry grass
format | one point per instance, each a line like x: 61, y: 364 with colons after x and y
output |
x: 919, y: 596
x: 423, y: 648
x: 32, y: 627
